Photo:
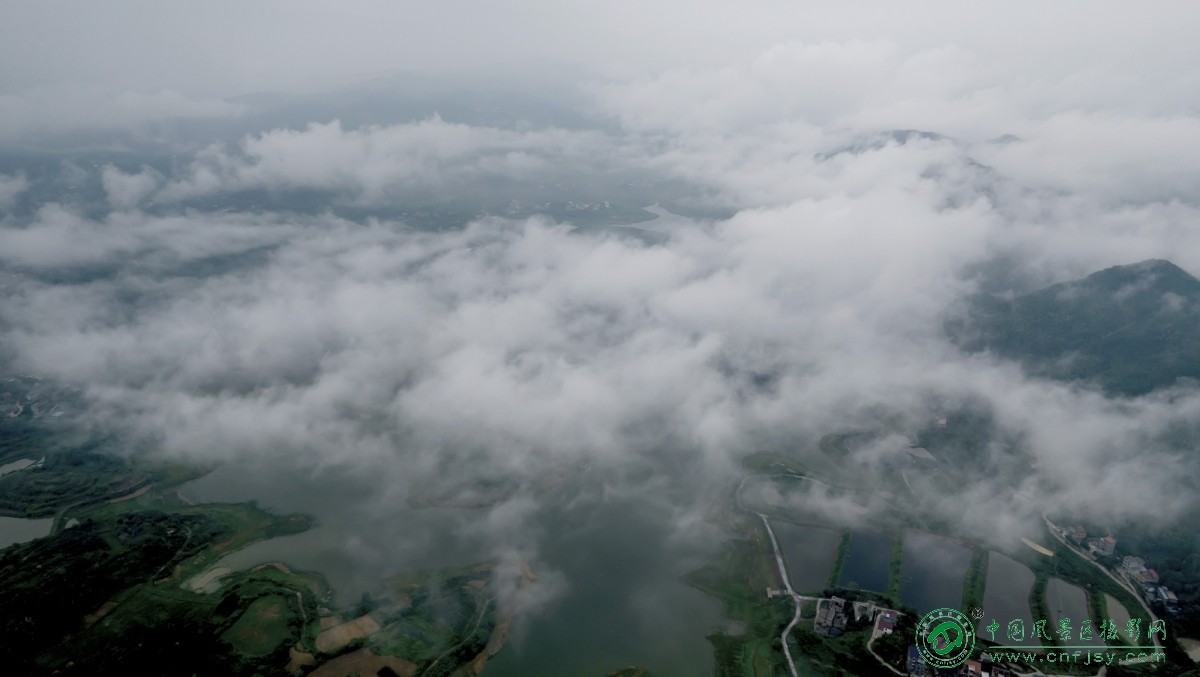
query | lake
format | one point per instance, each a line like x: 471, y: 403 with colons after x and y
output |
x: 624, y: 604
x: 808, y: 552
x: 931, y: 575
x: 15, y: 530
x: 867, y: 561
x: 14, y: 466
x: 356, y: 542
x: 609, y: 567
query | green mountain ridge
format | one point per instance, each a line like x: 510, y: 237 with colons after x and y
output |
x: 1131, y: 329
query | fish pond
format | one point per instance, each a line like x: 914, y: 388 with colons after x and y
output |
x: 866, y: 566
x: 808, y: 552
x: 1007, y: 597
x: 931, y: 575
x: 1069, y: 602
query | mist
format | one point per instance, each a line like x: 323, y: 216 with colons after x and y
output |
x: 628, y: 259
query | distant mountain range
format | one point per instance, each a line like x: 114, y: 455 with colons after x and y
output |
x: 1131, y: 329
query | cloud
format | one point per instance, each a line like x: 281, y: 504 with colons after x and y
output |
x: 68, y: 108
x: 1115, y: 157
x: 59, y: 237
x: 11, y: 187
x: 846, y: 181
x: 517, y: 346
x: 128, y: 190
x: 372, y: 163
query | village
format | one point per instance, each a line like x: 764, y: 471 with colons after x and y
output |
x: 1140, y: 577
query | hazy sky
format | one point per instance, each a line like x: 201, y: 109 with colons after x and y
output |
x: 1087, y: 54
x: 1062, y: 139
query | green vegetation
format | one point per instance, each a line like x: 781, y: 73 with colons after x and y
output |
x: 631, y: 672
x: 1132, y: 328
x: 20, y: 438
x: 975, y: 581
x: 438, y: 620
x: 839, y: 560
x: 261, y: 628
x: 766, y: 463
x: 897, y: 559
x: 74, y: 477
x: 739, y: 577
x: 1040, y: 610
x: 108, y: 594
x: 51, y: 584
x: 1071, y: 567
x: 893, y: 648
x: 842, y: 655
x: 1174, y: 552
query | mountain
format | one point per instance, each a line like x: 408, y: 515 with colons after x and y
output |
x: 1131, y: 329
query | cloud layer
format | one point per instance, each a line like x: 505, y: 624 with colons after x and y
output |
x: 838, y: 192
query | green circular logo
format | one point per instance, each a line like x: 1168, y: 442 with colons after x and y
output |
x: 945, y: 638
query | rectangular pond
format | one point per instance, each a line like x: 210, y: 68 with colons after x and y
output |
x: 1007, y: 598
x: 866, y: 566
x: 1116, y: 611
x: 931, y: 575
x: 808, y: 552
x: 1066, y: 601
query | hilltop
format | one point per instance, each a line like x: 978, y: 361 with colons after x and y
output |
x: 1131, y: 329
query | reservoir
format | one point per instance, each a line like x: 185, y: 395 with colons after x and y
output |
x: 608, y: 595
x: 361, y: 536
x: 623, y: 605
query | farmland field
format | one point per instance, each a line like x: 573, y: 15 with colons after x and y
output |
x: 261, y: 628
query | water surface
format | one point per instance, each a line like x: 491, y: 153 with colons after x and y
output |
x: 624, y: 604
x: 931, y: 575
x: 867, y: 560
x: 609, y: 592
x: 808, y: 552
x: 1116, y: 611
x: 1007, y: 598
x: 14, y: 466
x: 1066, y: 601
x: 15, y: 530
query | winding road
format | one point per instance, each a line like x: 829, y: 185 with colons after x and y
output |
x: 787, y: 583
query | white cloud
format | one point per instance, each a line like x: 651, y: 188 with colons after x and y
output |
x: 371, y: 161
x: 58, y: 237
x: 68, y: 108
x: 11, y: 187
x: 126, y: 191
x: 514, y: 346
